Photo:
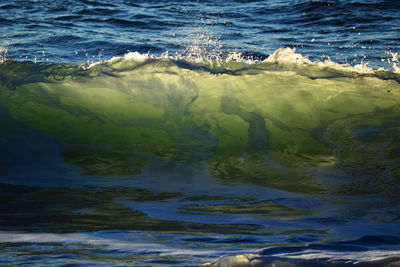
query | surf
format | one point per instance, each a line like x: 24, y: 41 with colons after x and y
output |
x: 264, y: 121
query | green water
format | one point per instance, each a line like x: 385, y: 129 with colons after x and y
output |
x: 264, y: 124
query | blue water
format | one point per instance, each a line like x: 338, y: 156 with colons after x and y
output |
x: 79, y: 31
x: 175, y: 210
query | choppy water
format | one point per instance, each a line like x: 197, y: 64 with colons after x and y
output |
x: 183, y: 133
x: 76, y: 31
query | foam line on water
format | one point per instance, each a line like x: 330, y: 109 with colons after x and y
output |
x: 139, y: 243
x: 349, y: 257
x: 287, y: 57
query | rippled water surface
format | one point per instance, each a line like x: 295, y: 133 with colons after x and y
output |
x: 76, y: 31
x: 182, y: 133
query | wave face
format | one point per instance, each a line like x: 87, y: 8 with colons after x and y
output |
x: 240, y: 119
x: 209, y: 158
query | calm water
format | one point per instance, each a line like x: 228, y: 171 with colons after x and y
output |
x: 180, y: 133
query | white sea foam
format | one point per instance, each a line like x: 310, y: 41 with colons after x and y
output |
x: 286, y: 57
x: 354, y: 257
x: 138, y: 243
x: 241, y: 260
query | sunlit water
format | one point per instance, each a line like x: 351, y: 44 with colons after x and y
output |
x: 186, y: 133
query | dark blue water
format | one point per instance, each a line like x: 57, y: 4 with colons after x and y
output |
x: 80, y: 31
x: 203, y: 147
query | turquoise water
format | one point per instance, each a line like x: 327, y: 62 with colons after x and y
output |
x: 235, y: 147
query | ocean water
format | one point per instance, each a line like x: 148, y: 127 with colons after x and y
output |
x: 188, y: 133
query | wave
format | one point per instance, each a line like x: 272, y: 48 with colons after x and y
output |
x: 264, y: 121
